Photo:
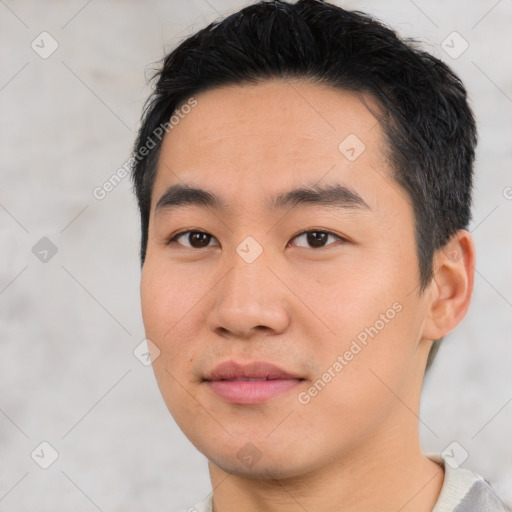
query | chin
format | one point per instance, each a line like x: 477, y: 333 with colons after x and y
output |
x: 262, y: 462
x: 262, y: 470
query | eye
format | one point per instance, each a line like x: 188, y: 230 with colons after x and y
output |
x: 193, y: 239
x: 199, y: 239
x: 316, y: 239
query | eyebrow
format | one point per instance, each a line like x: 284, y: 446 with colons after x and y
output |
x: 337, y: 196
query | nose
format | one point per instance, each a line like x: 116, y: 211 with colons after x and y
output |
x: 250, y: 300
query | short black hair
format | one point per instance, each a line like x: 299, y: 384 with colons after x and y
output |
x: 424, y: 112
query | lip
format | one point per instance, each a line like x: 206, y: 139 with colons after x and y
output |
x: 250, y: 384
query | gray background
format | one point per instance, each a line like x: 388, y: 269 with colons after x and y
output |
x: 69, y: 325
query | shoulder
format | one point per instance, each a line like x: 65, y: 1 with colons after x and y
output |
x: 466, y: 491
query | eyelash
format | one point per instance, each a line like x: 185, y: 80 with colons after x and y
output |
x: 323, y: 231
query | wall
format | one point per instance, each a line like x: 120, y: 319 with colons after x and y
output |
x: 69, y: 302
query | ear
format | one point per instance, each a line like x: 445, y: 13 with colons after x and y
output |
x: 451, y: 286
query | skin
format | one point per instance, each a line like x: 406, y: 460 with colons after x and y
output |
x: 300, y: 307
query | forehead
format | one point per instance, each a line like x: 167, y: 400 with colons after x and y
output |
x: 251, y: 139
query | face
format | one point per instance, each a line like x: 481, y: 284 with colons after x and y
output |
x: 284, y: 301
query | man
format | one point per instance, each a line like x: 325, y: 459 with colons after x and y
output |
x: 304, y: 181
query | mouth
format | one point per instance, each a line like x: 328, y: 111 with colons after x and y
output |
x: 250, y: 384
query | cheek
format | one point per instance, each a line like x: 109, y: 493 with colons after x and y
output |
x: 367, y: 374
x: 375, y: 323
x: 165, y: 295
x: 171, y: 301
x: 347, y: 298
x: 382, y: 357
x: 170, y: 305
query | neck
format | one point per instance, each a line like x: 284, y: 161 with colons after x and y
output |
x: 390, y: 474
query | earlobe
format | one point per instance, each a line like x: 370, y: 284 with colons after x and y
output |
x: 454, y: 268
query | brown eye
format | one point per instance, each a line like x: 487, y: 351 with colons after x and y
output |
x: 316, y: 239
x: 193, y: 239
x: 198, y: 239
